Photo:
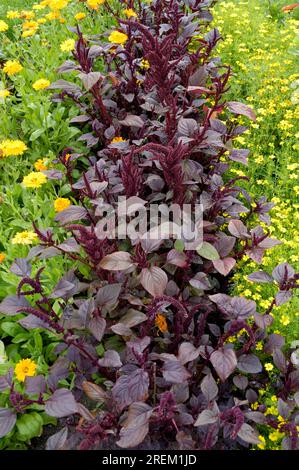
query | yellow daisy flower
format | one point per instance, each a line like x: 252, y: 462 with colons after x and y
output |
x: 25, y: 368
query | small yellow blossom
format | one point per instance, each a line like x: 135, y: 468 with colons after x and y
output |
x: 61, y: 203
x: 41, y: 164
x: 24, y: 238
x: 10, y: 148
x: 117, y: 139
x: 94, y: 4
x: 2, y: 257
x: 68, y: 45
x: 3, y: 26
x: 41, y: 84
x: 80, y: 16
x: 263, y: 443
x: 161, y: 323
x: 57, y: 4
x: 11, y: 67
x: 12, y: 14
x: 117, y: 37
x: 144, y: 64
x: 25, y: 368
x: 4, y: 93
x: 130, y: 13
x: 35, y: 179
x: 269, y: 366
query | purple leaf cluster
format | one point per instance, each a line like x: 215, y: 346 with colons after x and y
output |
x: 156, y: 128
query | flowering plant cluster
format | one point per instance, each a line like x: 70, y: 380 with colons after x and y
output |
x: 145, y: 327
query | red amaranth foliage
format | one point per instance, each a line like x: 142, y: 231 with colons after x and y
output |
x: 185, y: 385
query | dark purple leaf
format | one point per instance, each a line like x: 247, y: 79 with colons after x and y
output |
x: 8, y: 419
x: 207, y: 417
x: 282, y: 297
x: 224, y: 362
x: 240, y: 108
x: 260, y: 276
x: 187, y: 353
x: 136, y: 426
x: 174, y: 372
x: 12, y: 305
x: 110, y: 359
x: 225, y: 265
x: 58, y: 440
x: 283, y: 272
x: 209, y: 387
x: 248, y: 434
x: 117, y: 261
x: 275, y: 341
x: 240, y: 381
x: 280, y: 360
x: 35, y: 385
x: 97, y: 326
x: 132, y: 121
x: 250, y: 364
x: 30, y: 322
x: 21, y: 267
x: 62, y: 403
x: 130, y: 388
x: 154, y: 280
x: 71, y: 214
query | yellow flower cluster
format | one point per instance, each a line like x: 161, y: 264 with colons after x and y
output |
x: 94, y: 4
x: 24, y: 238
x: 61, y: 203
x: 3, y: 26
x: 117, y: 37
x: 10, y: 148
x: 68, y: 45
x: 41, y: 84
x: 11, y: 67
x: 35, y: 179
x: 4, y: 93
x: 25, y: 368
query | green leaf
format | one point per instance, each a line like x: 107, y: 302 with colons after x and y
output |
x: 179, y: 245
x: 36, y: 134
x: 29, y: 425
x: 208, y: 251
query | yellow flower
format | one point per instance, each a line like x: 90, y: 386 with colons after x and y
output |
x: 24, y: 238
x: 94, y: 4
x: 35, y: 179
x: 10, y: 148
x: 161, y: 323
x: 144, y: 64
x: 11, y: 67
x: 3, y: 26
x: 12, y: 14
x: 269, y: 366
x: 57, y: 4
x: 263, y: 443
x: 2, y: 257
x: 68, y: 45
x: 25, y: 368
x: 117, y: 37
x: 4, y: 93
x: 117, y: 139
x: 275, y: 436
x: 40, y: 164
x: 80, y: 16
x: 28, y: 33
x: 130, y: 13
x: 61, y: 203
x: 41, y: 84
x: 285, y: 320
x: 259, y: 346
